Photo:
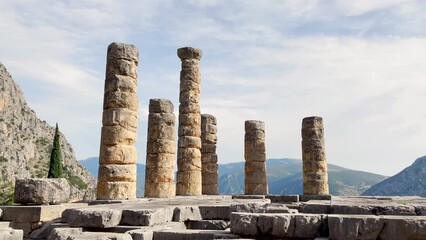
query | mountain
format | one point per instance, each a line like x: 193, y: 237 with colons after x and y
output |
x: 284, y: 177
x: 26, y: 142
x: 92, y: 165
x: 409, y: 182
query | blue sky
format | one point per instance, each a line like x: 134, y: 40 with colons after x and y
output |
x: 359, y: 64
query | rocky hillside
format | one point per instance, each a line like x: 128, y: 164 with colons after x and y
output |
x: 409, y: 182
x: 26, y: 142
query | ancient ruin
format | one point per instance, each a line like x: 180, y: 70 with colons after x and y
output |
x: 255, y: 181
x: 117, y: 169
x: 189, y: 143
x: 315, y: 177
x: 161, y: 150
x: 209, y: 166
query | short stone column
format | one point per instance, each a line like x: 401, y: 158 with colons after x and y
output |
x: 161, y: 150
x: 189, y: 141
x: 255, y: 182
x: 209, y: 167
x: 117, y: 158
x: 315, y: 177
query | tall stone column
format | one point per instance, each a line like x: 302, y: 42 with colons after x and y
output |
x: 209, y: 166
x: 255, y: 181
x: 161, y: 150
x: 315, y: 177
x: 117, y: 158
x: 189, y: 141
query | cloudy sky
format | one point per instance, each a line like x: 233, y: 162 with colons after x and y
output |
x: 360, y: 64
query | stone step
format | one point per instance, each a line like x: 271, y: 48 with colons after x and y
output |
x: 11, y: 234
x: 4, y: 224
x: 193, y: 234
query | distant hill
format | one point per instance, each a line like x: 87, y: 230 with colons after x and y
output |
x: 409, y: 182
x: 284, y: 177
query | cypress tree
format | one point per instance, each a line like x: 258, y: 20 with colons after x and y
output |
x: 55, y: 168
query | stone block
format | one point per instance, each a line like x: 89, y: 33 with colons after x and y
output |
x: 161, y: 146
x: 190, y: 130
x: 252, y: 207
x: 189, y: 107
x: 256, y: 188
x: 189, y: 142
x: 92, y: 217
x: 208, y: 148
x: 64, y: 233
x: 355, y: 227
x: 159, y: 175
x: 160, y: 106
x: 191, y: 234
x: 317, y: 207
x: 189, y: 53
x: 160, y: 190
x: 185, y: 213
x: 147, y: 233
x: 115, y: 135
x: 121, y: 100
x: 244, y: 224
x: 117, y: 172
x: 215, y: 212
x: 147, y: 217
x: 190, y: 119
x: 161, y: 131
x: 160, y: 160
x: 122, y: 117
x: 118, y: 50
x: 403, y: 227
x: 11, y: 234
x: 190, y: 96
x: 308, y: 226
x: 305, y: 198
x: 116, y: 190
x: 248, y: 196
x: 121, y: 67
x: 283, y: 198
x: 209, y: 158
x: 207, y: 224
x: 119, y: 154
x: 120, y: 83
x: 253, y: 125
x: 42, y: 191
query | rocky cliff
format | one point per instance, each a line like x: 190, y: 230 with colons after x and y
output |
x: 26, y: 142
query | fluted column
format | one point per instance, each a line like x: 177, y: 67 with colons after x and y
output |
x: 189, y: 141
x: 315, y: 177
x: 209, y: 165
x: 161, y: 150
x: 117, y: 158
x: 255, y: 181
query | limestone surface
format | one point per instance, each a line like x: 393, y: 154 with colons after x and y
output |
x: 92, y: 217
x: 117, y: 158
x: 255, y: 181
x: 315, y: 178
x: 209, y: 166
x: 189, y: 180
x: 161, y: 150
x: 42, y: 191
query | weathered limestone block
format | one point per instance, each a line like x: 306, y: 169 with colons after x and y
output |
x: 42, y: 191
x: 118, y: 154
x: 161, y: 149
x: 185, y: 213
x: 117, y: 190
x: 92, y: 217
x: 11, y: 234
x: 122, y: 117
x: 244, y: 224
x: 208, y: 224
x: 355, y: 227
x: 315, y: 177
x: 255, y: 180
x: 117, y: 172
x: 117, y: 158
x: 147, y: 217
x: 189, y: 164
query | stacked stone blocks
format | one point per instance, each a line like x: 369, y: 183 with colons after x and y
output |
x: 209, y: 165
x: 161, y: 150
x: 315, y: 178
x: 117, y: 169
x: 255, y: 181
x: 189, y: 141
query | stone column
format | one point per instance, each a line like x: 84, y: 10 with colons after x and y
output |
x: 189, y: 141
x: 161, y: 150
x: 315, y: 178
x: 255, y: 181
x: 117, y: 158
x: 208, y: 155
